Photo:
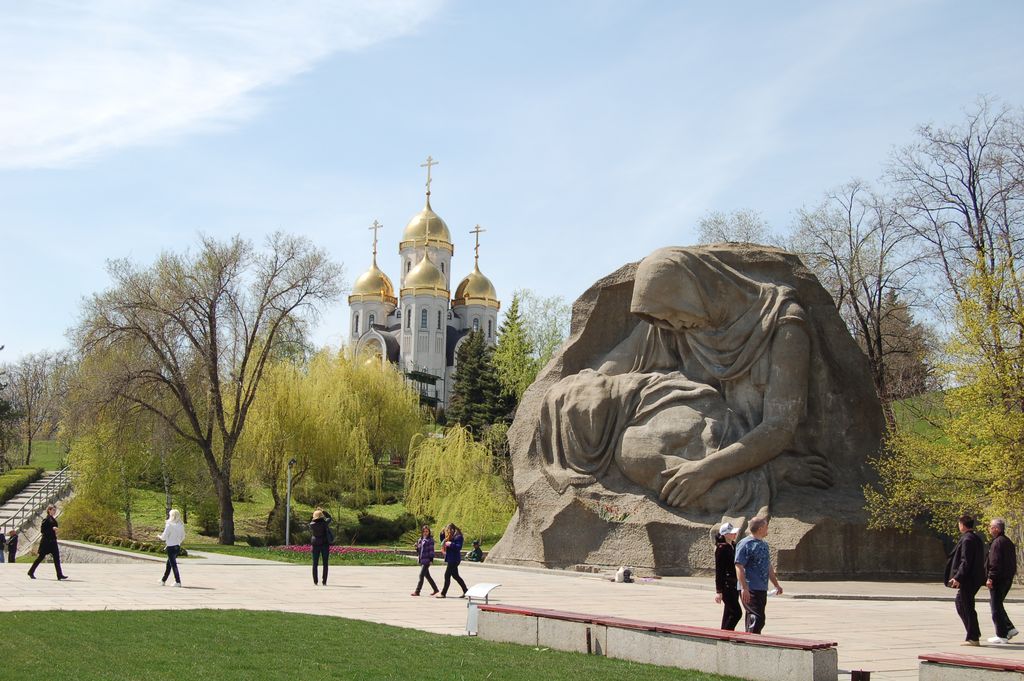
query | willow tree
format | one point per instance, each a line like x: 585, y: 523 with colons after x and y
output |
x: 451, y: 479
x: 198, y: 330
x: 338, y: 418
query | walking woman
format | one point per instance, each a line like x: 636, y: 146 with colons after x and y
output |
x: 172, y: 536
x: 452, y: 558
x: 725, y: 576
x: 321, y: 540
x: 48, y: 544
x: 425, y: 552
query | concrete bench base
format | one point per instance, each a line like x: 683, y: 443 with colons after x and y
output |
x: 948, y: 667
x: 707, y: 650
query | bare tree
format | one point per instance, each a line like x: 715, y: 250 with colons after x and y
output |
x: 739, y: 226
x: 863, y: 252
x: 189, y: 337
x: 36, y: 387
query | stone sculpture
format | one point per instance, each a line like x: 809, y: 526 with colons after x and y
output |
x: 702, y: 384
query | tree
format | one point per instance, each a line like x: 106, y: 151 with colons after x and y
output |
x: 908, y: 348
x: 546, y: 320
x: 858, y: 244
x: 513, y: 355
x: 339, y: 418
x: 8, y: 416
x: 193, y: 334
x: 739, y: 226
x: 37, y: 384
x: 476, y: 395
x: 451, y: 479
x: 963, y: 185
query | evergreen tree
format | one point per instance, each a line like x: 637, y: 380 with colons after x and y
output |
x: 513, y: 356
x: 476, y: 396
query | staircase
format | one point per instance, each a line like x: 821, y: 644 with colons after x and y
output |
x: 25, y: 509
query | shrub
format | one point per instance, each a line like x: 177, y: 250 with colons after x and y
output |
x: 81, y: 518
x: 207, y: 517
x: 17, y: 479
x: 373, y: 528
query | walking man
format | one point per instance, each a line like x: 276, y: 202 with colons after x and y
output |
x: 967, y: 570
x: 753, y: 572
x: 1001, y: 567
x: 48, y: 544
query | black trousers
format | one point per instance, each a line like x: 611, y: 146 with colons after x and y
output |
x: 425, y: 574
x: 731, y: 612
x: 965, y: 608
x: 451, y: 571
x: 11, y: 554
x: 44, y: 551
x: 995, y: 599
x: 755, y: 611
x: 323, y: 550
x: 172, y: 564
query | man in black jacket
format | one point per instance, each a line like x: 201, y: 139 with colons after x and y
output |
x: 48, y: 544
x: 967, y: 567
x: 1001, y: 567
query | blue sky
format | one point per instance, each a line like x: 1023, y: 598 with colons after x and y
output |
x: 581, y: 135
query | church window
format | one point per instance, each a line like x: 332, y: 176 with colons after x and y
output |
x: 355, y: 324
x: 408, y: 318
x: 438, y: 320
x: 442, y: 267
x: 488, y: 328
x: 423, y: 318
x: 371, y: 320
x: 408, y: 266
x: 476, y: 323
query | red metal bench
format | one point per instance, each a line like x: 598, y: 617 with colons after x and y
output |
x: 974, y: 661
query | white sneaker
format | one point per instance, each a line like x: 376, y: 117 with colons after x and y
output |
x: 1011, y: 633
x: 163, y: 583
x: 177, y: 584
x: 998, y: 640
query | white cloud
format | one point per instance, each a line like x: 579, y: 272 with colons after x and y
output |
x: 78, y: 79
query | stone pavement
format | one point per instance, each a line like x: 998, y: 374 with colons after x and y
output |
x: 883, y: 636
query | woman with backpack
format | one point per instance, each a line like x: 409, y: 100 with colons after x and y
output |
x: 321, y: 539
x: 425, y: 554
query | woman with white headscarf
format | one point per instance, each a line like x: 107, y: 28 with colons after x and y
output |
x: 172, y: 536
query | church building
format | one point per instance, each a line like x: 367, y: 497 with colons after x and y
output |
x: 421, y: 329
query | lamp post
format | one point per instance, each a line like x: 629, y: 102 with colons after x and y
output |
x: 288, y: 506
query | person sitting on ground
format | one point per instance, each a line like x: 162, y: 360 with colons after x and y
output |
x: 477, y: 554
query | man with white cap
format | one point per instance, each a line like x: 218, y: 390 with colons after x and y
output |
x: 725, y: 575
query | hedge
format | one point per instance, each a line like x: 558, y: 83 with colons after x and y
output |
x: 15, y: 480
x: 121, y: 542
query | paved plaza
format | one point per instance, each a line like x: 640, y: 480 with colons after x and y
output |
x: 879, y: 627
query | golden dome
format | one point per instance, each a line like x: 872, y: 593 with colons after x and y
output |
x: 426, y: 228
x: 425, y: 278
x: 373, y: 285
x: 476, y: 289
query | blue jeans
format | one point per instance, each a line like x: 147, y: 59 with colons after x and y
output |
x: 318, y: 551
x: 172, y: 564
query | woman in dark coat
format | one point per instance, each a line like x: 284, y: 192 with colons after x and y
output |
x: 48, y: 544
x: 320, y: 538
x: 725, y: 576
x: 425, y: 554
x: 452, y: 558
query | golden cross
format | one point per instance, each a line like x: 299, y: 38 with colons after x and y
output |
x: 478, y: 231
x: 375, y: 226
x: 428, y: 165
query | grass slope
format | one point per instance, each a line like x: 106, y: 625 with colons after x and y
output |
x: 230, y: 645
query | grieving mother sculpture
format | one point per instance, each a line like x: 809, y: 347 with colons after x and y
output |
x: 704, y: 384
x: 706, y: 390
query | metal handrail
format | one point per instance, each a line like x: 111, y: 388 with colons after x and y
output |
x: 46, y: 494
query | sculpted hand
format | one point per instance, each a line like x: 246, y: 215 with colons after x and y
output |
x: 686, y: 483
x: 811, y: 470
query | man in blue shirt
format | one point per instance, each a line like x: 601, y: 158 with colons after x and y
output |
x: 753, y: 572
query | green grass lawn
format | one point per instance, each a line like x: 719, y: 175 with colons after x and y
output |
x: 46, y: 454
x: 255, y: 646
x: 304, y: 558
